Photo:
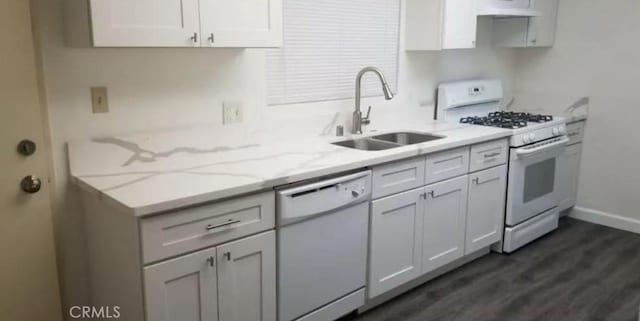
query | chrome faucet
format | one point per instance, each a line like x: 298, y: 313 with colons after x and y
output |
x: 358, y: 120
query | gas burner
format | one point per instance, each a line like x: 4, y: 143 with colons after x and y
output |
x: 506, y: 119
x: 494, y: 122
x: 527, y: 117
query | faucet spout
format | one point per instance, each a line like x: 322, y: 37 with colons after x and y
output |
x: 388, y: 95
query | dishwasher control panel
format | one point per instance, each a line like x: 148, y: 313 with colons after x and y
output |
x: 320, y: 197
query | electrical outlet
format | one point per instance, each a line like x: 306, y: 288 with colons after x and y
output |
x: 231, y: 112
x: 99, y: 100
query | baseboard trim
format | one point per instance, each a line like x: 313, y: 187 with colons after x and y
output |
x: 607, y: 219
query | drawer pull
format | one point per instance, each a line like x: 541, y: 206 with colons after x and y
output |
x: 434, y: 195
x: 230, y: 222
x: 491, y: 155
x: 448, y: 159
x: 478, y: 182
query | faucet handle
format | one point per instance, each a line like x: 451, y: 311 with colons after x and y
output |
x: 366, y: 120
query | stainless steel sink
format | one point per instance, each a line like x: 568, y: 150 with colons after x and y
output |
x: 407, y: 138
x: 367, y: 144
x: 388, y: 141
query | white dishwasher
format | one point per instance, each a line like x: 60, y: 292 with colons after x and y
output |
x: 322, y: 247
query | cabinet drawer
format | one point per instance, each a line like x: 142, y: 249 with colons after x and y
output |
x: 183, y: 231
x: 398, y: 177
x: 519, y: 4
x: 575, y: 131
x: 447, y: 164
x: 522, y: 234
x: 488, y: 154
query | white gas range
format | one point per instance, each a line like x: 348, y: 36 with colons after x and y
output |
x: 536, y: 146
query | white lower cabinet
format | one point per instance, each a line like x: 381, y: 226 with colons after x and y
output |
x: 183, y: 289
x: 570, y: 174
x: 396, y: 240
x: 444, y: 223
x: 485, y: 211
x: 233, y: 282
x: 247, y: 279
x: 426, y: 228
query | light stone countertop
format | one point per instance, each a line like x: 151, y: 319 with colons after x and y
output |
x: 572, y: 118
x: 151, y: 173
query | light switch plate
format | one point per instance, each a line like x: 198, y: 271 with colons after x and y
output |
x: 99, y: 100
x: 231, y: 112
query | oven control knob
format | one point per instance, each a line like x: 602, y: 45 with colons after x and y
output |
x: 563, y: 130
x: 525, y: 139
x: 532, y: 138
x: 555, y: 131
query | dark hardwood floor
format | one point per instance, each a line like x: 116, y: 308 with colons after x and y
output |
x: 581, y: 271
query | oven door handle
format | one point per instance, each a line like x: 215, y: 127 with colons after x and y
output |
x: 529, y: 151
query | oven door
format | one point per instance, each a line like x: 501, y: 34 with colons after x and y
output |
x: 534, y: 180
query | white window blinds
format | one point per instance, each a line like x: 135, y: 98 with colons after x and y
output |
x: 326, y: 43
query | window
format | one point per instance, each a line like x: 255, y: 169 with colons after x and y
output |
x: 326, y: 43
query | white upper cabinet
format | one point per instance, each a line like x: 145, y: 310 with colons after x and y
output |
x: 174, y: 23
x: 528, y: 32
x: 440, y: 24
x: 542, y: 29
x: 145, y: 23
x: 241, y: 23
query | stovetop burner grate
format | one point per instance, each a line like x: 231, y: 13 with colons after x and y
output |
x: 506, y: 119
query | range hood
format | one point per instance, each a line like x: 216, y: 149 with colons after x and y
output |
x: 506, y: 9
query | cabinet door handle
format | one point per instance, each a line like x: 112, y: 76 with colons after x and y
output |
x: 194, y: 38
x: 229, y: 222
x: 211, y: 261
x: 427, y: 194
x: 211, y: 38
x: 227, y: 256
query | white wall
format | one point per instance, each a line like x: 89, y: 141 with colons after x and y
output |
x: 596, y: 54
x: 151, y: 89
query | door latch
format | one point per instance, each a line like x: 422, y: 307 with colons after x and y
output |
x: 26, y: 147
